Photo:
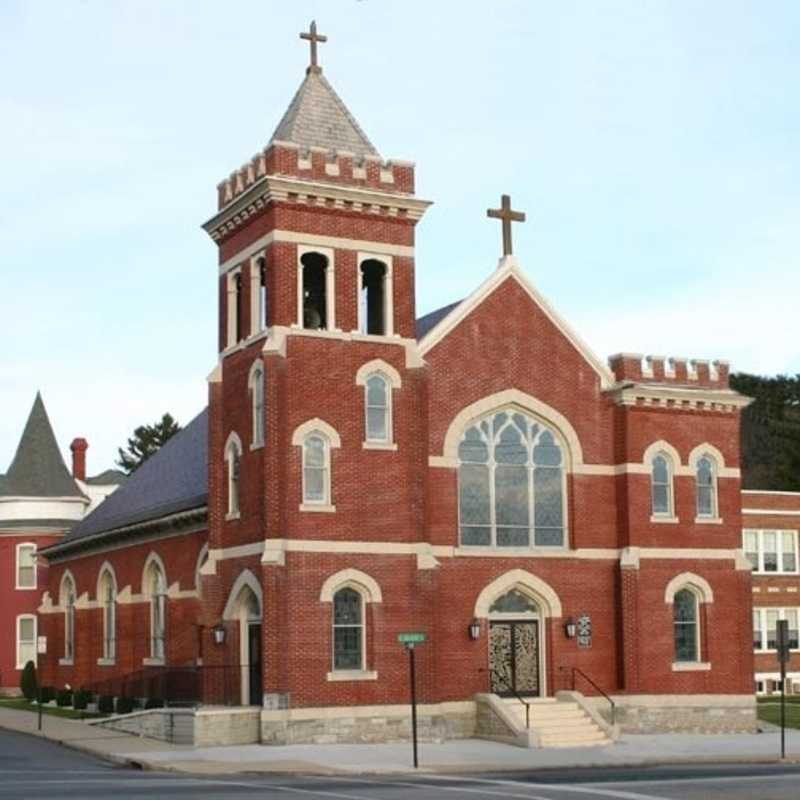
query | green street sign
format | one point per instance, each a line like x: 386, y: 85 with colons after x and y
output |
x: 411, y: 638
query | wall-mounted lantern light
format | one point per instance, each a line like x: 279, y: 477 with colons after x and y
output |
x: 475, y: 629
x: 219, y: 633
x: 570, y: 628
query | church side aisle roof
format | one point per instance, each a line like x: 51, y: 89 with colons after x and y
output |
x: 429, y: 321
x: 317, y: 117
x: 174, y: 479
x: 38, y: 470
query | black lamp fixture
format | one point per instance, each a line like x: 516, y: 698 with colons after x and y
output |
x: 219, y: 633
x: 475, y: 629
x: 570, y: 628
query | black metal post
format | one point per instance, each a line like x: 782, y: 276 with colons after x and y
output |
x: 413, y: 701
x: 783, y: 708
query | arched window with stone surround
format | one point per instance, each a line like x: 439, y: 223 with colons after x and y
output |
x: 107, y: 598
x: 316, y: 470
x: 706, y: 487
x: 68, y: 604
x: 155, y: 588
x: 233, y: 462
x: 348, y: 630
x: 661, y: 471
x: 378, y: 400
x: 686, y: 623
x: 256, y: 385
x: 315, y: 300
x: 512, y: 483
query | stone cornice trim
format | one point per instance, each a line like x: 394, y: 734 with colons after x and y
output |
x: 274, y: 188
x: 677, y: 398
x: 772, y: 512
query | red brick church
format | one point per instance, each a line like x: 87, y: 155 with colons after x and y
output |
x: 550, y: 521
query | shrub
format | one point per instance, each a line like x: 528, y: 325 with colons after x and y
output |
x: 125, y: 705
x: 46, y: 694
x: 81, y: 699
x: 27, y: 681
x: 105, y: 704
x: 64, y: 698
x: 154, y: 702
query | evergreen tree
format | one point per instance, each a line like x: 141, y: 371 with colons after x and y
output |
x: 146, y: 440
x: 770, y: 432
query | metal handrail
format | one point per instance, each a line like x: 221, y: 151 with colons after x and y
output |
x: 516, y: 694
x: 592, y: 683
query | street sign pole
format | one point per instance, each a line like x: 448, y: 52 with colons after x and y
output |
x: 783, y: 657
x: 410, y: 641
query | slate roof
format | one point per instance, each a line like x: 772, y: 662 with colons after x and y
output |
x: 317, y: 117
x: 108, y: 477
x: 174, y: 479
x: 38, y: 470
x: 431, y: 320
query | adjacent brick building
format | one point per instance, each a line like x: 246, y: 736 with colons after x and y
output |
x: 548, y: 520
x: 39, y: 502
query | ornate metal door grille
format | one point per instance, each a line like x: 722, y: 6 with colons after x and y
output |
x: 514, y: 658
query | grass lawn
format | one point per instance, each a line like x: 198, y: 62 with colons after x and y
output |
x: 769, y: 709
x: 21, y: 704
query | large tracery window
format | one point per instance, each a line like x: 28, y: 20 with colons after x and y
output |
x: 511, y: 483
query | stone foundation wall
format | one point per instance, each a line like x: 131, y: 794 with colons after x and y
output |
x: 226, y: 726
x: 367, y: 724
x: 175, y: 725
x: 681, y: 713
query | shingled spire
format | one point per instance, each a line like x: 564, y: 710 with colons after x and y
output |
x: 317, y: 117
x: 38, y: 470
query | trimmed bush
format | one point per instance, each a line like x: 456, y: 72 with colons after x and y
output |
x: 81, y: 699
x: 125, y: 705
x: 153, y: 702
x: 105, y: 704
x: 64, y: 698
x: 46, y: 694
x: 27, y: 681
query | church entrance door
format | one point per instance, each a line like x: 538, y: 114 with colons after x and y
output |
x: 254, y: 663
x: 514, y: 657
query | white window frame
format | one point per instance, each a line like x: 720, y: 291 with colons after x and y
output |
x: 325, y: 502
x: 234, y: 443
x: 389, y: 437
x: 255, y: 381
x: 18, y: 641
x: 763, y: 630
x: 155, y: 579
x: 330, y: 286
x: 106, y: 581
x: 779, y: 533
x: 388, y: 293
x: 362, y: 626
x: 668, y: 515
x: 68, y: 590
x: 698, y: 606
x: 19, y: 586
x: 316, y: 427
x: 714, y: 515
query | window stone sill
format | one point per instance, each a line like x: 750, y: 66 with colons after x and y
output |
x: 514, y: 552
x: 256, y: 446
x: 708, y: 520
x: 691, y: 666
x: 379, y: 445
x: 106, y: 662
x: 65, y: 662
x: 233, y: 515
x: 153, y: 662
x: 664, y: 520
x: 353, y: 675
x: 321, y: 508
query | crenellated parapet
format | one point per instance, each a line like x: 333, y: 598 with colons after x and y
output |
x: 320, y: 165
x: 674, y: 371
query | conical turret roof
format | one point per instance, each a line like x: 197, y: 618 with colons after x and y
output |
x: 317, y: 117
x: 38, y: 470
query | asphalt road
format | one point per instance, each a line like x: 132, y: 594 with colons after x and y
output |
x: 32, y: 768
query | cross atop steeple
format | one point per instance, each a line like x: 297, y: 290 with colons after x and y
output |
x: 508, y: 216
x: 313, y: 37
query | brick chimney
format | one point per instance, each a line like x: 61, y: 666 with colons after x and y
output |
x: 79, y: 447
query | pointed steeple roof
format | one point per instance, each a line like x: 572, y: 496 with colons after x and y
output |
x: 38, y: 470
x: 317, y: 117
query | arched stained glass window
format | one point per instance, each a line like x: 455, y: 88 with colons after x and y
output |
x: 511, y: 483
x: 706, y: 487
x: 661, y: 480
x: 378, y: 408
x: 348, y: 630
x: 687, y: 626
x: 108, y: 600
x: 316, y: 470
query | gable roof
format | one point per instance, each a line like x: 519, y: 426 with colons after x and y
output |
x: 508, y: 268
x: 38, y: 469
x: 317, y: 117
x: 429, y: 321
x: 172, y: 480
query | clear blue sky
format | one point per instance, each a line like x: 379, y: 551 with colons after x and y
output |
x: 653, y: 145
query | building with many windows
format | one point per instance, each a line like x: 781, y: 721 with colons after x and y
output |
x: 770, y: 523
x: 549, y: 520
x: 39, y: 502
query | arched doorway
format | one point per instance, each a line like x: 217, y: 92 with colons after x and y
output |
x: 516, y: 659
x: 244, y: 607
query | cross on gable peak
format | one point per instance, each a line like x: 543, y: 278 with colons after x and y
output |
x: 312, y: 37
x: 507, y: 215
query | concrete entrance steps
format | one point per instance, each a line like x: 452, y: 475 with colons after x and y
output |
x: 556, y: 723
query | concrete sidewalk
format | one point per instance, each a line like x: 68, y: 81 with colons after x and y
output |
x: 467, y: 755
